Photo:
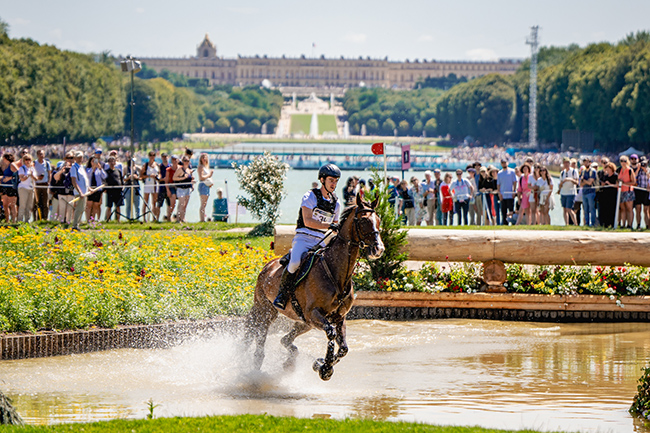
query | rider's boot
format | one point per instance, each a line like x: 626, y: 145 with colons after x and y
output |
x: 286, y: 287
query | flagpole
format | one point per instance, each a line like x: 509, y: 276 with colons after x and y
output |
x: 385, y: 164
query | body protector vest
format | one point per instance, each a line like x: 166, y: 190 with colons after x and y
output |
x: 324, y: 210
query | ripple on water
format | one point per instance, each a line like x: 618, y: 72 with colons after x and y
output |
x: 495, y: 374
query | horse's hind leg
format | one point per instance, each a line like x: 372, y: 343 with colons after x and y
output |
x: 298, y: 329
x: 257, y: 327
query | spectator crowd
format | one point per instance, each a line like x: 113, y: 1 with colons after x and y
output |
x: 32, y: 188
x: 591, y: 193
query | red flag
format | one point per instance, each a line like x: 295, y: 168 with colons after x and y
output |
x: 377, y: 148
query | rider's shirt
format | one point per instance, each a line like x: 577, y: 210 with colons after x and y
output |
x: 324, y: 210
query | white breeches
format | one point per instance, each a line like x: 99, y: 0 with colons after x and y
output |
x: 301, y: 244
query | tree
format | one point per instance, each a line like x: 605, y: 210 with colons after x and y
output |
x: 403, y: 127
x: 372, y: 126
x: 254, y: 126
x: 430, y: 127
x: 391, y: 264
x: 4, y: 28
x: 223, y: 125
x: 388, y: 127
x: 208, y: 125
x: 238, y: 124
x: 263, y: 179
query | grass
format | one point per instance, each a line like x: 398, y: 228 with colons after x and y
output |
x: 327, y: 123
x: 300, y: 123
x: 249, y: 423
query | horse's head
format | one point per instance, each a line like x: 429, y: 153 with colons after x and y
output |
x: 365, y: 230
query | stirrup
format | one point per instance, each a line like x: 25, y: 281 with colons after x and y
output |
x: 286, y: 285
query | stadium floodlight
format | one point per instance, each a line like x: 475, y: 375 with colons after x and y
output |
x: 131, y: 65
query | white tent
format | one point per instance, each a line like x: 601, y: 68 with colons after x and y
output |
x: 630, y: 151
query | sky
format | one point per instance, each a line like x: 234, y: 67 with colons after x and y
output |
x: 399, y: 30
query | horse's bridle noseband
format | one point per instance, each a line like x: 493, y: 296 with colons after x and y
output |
x: 359, y: 234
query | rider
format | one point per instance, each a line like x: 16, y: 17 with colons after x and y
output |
x: 319, y: 211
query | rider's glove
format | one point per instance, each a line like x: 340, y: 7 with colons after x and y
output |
x: 335, y: 227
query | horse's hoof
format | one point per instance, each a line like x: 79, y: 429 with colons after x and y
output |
x: 289, y: 364
x: 318, y: 364
x: 326, y: 372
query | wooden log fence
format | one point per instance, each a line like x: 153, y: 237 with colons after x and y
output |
x: 535, y: 247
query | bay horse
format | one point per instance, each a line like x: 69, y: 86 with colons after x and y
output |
x: 324, y: 296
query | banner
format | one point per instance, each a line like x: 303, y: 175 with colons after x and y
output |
x: 377, y: 148
x: 406, y: 156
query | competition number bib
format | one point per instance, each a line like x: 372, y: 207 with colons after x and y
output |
x: 323, y: 216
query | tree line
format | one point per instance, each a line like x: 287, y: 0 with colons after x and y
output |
x: 603, y: 88
x: 47, y: 94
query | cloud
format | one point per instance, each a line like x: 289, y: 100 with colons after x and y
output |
x: 139, y: 10
x: 355, y: 38
x: 56, y: 33
x: 244, y: 10
x: 481, y: 54
x: 425, y: 38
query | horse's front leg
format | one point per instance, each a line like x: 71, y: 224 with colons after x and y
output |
x: 340, y: 340
x: 325, y: 366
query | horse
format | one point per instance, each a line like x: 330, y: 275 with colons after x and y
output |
x: 322, y: 298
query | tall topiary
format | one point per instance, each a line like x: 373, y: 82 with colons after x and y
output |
x: 263, y: 179
x: 391, y: 264
x: 641, y: 403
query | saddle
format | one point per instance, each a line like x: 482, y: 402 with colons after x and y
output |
x: 306, y: 263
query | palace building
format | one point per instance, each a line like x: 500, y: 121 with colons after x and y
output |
x: 320, y: 72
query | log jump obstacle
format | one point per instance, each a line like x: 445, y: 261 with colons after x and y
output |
x: 494, y: 248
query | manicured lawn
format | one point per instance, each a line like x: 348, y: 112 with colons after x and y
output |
x: 249, y: 423
x: 327, y: 123
x: 300, y: 123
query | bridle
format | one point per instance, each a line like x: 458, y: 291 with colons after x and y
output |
x: 359, y: 234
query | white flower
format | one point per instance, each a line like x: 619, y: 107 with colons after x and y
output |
x: 619, y: 303
x: 408, y: 286
x: 612, y: 297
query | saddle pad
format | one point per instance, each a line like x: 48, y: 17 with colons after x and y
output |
x: 306, y: 263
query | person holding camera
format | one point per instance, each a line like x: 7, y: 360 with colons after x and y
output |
x: 62, y: 184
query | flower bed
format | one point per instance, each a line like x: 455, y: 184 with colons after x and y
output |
x: 562, y: 280
x: 58, y: 279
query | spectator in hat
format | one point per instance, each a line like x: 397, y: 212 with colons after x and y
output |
x: 80, y: 183
x: 567, y: 189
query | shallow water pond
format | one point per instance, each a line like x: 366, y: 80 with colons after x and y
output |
x: 570, y: 377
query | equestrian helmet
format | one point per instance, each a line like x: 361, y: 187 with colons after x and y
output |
x: 330, y: 170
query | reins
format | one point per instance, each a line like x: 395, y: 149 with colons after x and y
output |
x: 359, y: 244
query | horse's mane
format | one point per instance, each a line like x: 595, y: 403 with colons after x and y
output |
x: 346, y: 213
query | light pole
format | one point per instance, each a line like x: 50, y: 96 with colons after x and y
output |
x: 129, y: 64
